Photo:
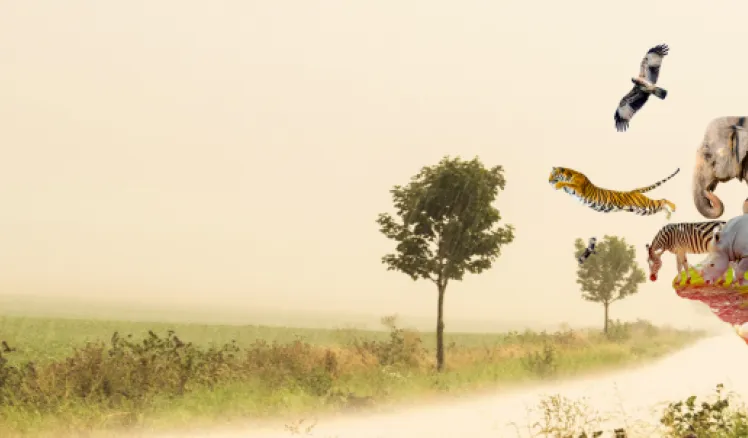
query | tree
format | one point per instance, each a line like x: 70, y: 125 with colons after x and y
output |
x: 447, y: 226
x: 609, y: 275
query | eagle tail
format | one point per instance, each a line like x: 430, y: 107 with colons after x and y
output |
x: 660, y: 92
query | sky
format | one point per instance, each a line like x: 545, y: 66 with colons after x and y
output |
x: 236, y: 154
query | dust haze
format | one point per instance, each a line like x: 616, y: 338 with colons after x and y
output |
x: 232, y: 156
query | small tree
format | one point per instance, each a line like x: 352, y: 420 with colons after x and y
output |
x: 609, y: 275
x: 447, y: 226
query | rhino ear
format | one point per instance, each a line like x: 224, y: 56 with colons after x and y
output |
x: 716, y: 237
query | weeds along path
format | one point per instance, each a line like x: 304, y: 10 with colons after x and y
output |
x: 625, y: 398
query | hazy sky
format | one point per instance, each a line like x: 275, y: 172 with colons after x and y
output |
x: 238, y: 152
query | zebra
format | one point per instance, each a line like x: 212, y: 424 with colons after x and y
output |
x: 681, y: 238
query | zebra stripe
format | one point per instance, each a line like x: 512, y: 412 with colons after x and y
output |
x: 689, y: 237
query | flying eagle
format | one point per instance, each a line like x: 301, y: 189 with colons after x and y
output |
x: 644, y: 85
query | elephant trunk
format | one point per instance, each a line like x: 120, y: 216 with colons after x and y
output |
x: 707, y: 203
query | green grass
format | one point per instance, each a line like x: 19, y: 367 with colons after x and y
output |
x: 55, y: 338
x: 697, y: 280
x: 44, y: 339
x: 154, y: 381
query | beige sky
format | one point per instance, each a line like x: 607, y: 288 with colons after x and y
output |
x: 238, y: 152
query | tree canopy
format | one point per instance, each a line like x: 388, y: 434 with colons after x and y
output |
x: 447, y: 222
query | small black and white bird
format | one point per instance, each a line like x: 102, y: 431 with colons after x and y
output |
x: 588, y: 251
x: 644, y: 85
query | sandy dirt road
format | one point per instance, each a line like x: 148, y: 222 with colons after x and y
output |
x: 638, y: 394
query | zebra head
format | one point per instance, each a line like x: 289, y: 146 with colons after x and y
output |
x: 654, y: 260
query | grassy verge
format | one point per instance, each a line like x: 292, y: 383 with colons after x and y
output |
x: 75, y: 375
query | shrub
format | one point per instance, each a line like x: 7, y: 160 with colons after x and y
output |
x: 543, y: 363
x: 561, y: 417
x: 403, y: 349
x: 687, y: 418
x: 619, y: 331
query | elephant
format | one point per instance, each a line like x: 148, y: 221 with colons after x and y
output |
x: 720, y: 158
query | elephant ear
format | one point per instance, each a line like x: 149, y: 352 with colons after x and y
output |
x: 742, y: 148
x: 739, y: 147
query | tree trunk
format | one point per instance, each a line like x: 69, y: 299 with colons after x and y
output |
x: 606, y: 305
x: 440, y: 329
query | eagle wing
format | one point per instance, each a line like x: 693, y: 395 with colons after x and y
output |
x: 628, y: 106
x: 650, y: 65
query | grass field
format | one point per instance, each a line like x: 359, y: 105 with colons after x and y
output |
x: 74, y: 375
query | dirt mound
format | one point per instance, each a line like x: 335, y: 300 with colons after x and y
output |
x: 727, y: 302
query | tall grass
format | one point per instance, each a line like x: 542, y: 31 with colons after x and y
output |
x: 162, y: 379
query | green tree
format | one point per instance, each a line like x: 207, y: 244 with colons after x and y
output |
x: 611, y: 274
x: 446, y: 226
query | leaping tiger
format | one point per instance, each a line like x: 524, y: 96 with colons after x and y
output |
x: 605, y: 201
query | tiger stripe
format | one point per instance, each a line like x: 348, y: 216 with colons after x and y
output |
x: 657, y: 184
x: 606, y: 201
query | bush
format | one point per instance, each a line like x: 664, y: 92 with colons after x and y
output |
x: 543, y: 363
x: 561, y: 417
x: 125, y: 374
x: 687, y: 418
x: 403, y: 349
x: 619, y: 331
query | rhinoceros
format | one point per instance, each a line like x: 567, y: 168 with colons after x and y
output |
x: 730, y: 244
